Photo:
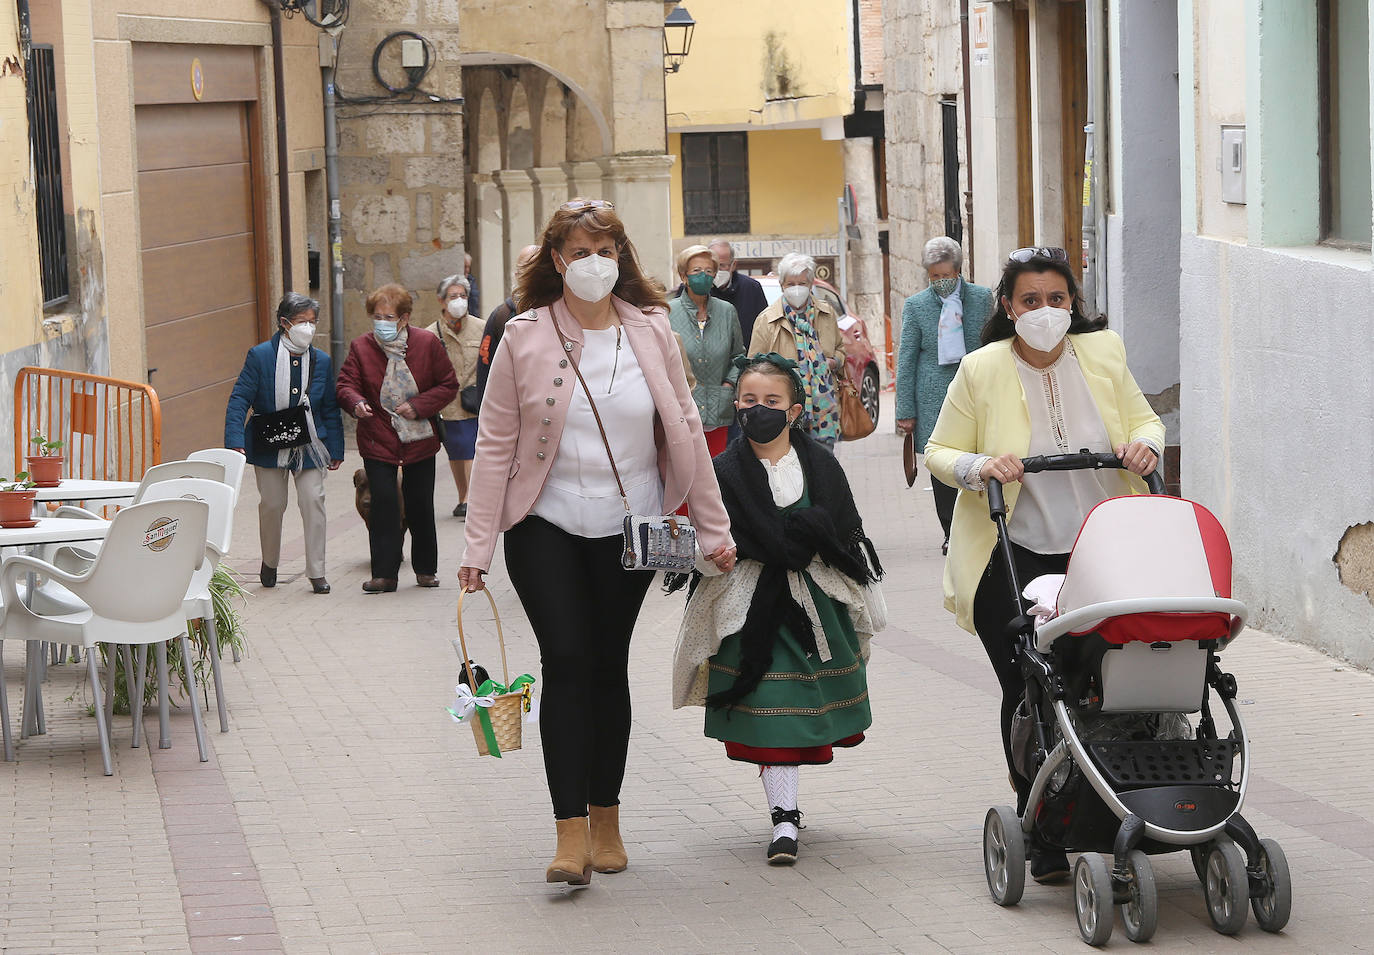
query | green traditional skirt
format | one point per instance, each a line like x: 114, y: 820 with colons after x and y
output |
x: 802, y: 707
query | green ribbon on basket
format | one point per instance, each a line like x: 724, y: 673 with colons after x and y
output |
x: 484, y: 700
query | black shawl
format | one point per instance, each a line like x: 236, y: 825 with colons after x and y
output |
x: 830, y: 529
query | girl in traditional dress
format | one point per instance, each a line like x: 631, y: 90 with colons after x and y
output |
x: 777, y: 648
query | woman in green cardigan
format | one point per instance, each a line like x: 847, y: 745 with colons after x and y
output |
x: 711, y: 340
x: 940, y: 324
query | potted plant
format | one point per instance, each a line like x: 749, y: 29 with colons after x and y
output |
x: 46, y: 463
x: 16, y: 501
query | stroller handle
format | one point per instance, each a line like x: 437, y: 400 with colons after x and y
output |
x: 1084, y: 460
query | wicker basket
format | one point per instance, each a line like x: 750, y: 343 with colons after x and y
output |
x: 507, y: 712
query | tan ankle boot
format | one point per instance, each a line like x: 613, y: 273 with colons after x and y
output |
x: 572, y: 860
x: 608, y: 851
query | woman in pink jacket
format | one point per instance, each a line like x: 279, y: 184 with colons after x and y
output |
x: 543, y: 476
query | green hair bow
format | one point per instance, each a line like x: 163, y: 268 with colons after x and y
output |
x: 788, y: 365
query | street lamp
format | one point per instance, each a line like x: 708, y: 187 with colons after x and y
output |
x: 677, y: 38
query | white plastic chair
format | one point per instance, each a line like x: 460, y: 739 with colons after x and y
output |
x: 219, y: 531
x: 235, y: 465
x: 133, y: 593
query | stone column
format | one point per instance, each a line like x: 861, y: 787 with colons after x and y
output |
x: 638, y: 185
x: 1047, y: 135
x: 584, y: 179
x: 488, y: 245
x: 993, y: 163
x: 550, y: 191
x: 865, y: 257
x: 517, y: 211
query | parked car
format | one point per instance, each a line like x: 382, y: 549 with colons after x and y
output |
x: 861, y: 361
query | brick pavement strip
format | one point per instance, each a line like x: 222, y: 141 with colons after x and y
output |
x: 368, y: 823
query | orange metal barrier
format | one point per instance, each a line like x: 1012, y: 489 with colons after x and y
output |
x: 111, y: 429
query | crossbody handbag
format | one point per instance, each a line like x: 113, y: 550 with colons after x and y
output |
x: 280, y: 430
x: 666, y: 542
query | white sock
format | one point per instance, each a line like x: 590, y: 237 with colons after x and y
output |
x: 780, y: 786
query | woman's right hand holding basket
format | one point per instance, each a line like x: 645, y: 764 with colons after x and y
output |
x: 470, y: 578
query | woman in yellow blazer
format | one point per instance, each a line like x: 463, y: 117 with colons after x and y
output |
x: 1048, y: 380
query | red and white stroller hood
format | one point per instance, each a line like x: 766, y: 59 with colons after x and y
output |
x: 1147, y: 568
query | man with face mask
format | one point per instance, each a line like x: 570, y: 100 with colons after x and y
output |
x: 282, y: 373
x: 940, y: 324
x: 741, y: 291
x: 496, y: 322
x: 462, y: 338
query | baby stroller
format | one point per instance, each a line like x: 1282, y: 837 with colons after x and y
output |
x: 1143, y: 612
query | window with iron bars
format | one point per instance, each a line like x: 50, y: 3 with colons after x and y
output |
x: 715, y: 182
x: 45, y: 143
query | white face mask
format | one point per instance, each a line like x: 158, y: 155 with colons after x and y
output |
x: 591, y: 278
x: 722, y: 279
x: 1043, y: 328
x: 797, y: 295
x: 300, y: 336
x: 457, y: 307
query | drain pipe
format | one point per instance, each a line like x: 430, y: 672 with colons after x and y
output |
x: 283, y: 177
x: 338, y: 345
x: 968, y: 142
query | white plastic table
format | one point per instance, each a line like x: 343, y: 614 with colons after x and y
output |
x: 48, y: 530
x: 81, y: 489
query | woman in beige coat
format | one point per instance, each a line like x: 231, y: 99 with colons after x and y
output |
x: 461, y: 334
x: 805, y: 329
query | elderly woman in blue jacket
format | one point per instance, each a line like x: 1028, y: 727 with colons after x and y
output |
x: 940, y: 324
x: 280, y: 373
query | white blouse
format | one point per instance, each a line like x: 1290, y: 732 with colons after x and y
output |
x: 1063, y: 419
x: 580, y: 495
x: 786, y: 479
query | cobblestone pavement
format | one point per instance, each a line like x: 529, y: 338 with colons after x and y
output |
x: 345, y: 813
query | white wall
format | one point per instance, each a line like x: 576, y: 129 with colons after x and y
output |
x: 1278, y: 397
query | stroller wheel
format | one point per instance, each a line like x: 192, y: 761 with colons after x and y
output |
x: 1226, y: 887
x: 1273, y: 906
x: 1092, y: 898
x: 1140, y: 913
x: 1004, y: 855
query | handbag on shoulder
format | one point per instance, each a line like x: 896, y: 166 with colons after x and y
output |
x: 660, y: 542
x: 855, y: 421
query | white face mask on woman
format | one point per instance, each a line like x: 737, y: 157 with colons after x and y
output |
x: 797, y: 295
x: 300, y: 336
x: 457, y: 308
x: 592, y: 277
x: 1043, y: 328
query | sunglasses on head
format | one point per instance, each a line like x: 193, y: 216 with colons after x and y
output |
x: 582, y: 205
x: 1039, y: 251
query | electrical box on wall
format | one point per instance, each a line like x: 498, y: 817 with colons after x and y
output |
x: 1232, y: 164
x: 412, y: 53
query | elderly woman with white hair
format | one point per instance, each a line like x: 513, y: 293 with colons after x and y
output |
x: 708, y: 328
x: 805, y: 329
x: 461, y: 333
x: 940, y: 324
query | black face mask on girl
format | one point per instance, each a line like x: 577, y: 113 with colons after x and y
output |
x: 762, y: 424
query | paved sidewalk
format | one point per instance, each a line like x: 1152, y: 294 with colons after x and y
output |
x: 345, y: 813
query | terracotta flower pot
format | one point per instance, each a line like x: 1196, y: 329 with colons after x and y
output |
x: 16, y: 508
x: 45, y: 470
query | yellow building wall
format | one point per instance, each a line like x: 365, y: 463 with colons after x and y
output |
x: 794, y: 179
x: 762, y: 64
x: 21, y: 318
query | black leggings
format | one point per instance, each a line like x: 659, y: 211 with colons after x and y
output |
x: 384, y: 534
x: 945, y: 496
x: 582, y: 606
x: 992, y: 611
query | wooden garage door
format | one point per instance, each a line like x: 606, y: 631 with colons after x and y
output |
x: 199, y: 248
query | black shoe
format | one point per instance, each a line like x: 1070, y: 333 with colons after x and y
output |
x: 1049, y: 866
x: 319, y: 585
x: 461, y: 510
x: 426, y: 580
x: 783, y: 851
x: 944, y: 548
x: 267, y: 576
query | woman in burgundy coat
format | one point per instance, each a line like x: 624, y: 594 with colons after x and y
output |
x: 395, y: 380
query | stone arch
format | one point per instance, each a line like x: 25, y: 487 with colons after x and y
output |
x: 552, y: 141
x: 596, y: 125
x: 486, y: 148
x: 519, y: 136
